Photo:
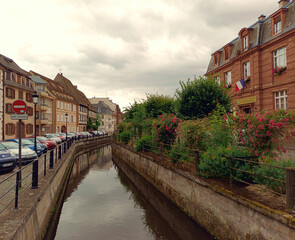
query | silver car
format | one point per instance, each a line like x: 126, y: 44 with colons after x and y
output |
x: 28, y: 155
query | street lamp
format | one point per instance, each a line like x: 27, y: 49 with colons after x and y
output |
x: 35, y: 164
x: 67, y: 126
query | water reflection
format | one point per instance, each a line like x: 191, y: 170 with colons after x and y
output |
x: 101, y: 203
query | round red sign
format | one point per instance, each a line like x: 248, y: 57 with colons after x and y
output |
x: 19, y: 106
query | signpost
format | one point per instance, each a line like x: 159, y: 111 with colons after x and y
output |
x: 19, y: 107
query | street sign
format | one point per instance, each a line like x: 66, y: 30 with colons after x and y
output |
x: 19, y: 117
x: 19, y: 106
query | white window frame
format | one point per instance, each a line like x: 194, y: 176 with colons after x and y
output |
x: 281, y: 98
x: 57, y: 117
x: 247, y: 72
x: 245, y: 42
x: 74, y: 108
x: 217, y: 79
x: 61, y: 118
x: 57, y: 104
x: 278, y: 27
x: 227, y: 77
x: 280, y: 57
x: 61, y: 105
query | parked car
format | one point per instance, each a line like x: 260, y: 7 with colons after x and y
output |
x: 78, y: 135
x: 52, y: 137
x: 50, y: 144
x: 64, y: 135
x: 60, y: 136
x: 71, y: 135
x: 7, y: 159
x: 43, y: 146
x: 29, y: 144
x: 28, y: 155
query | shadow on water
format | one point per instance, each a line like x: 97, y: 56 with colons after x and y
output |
x: 101, y: 202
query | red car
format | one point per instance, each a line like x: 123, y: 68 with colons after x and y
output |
x: 62, y: 138
x: 49, y: 143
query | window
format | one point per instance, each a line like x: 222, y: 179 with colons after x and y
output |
x: 57, y: 104
x: 29, y: 128
x: 227, y: 77
x: 10, y: 93
x: 279, y: 57
x: 246, y: 69
x: 74, y: 119
x: 61, y: 105
x: 281, y: 99
x: 9, y: 108
x: 29, y: 111
x: 8, y: 75
x: 27, y: 82
x: 29, y: 97
x: 226, y: 57
x: 217, y: 79
x: 1, y: 75
x: 74, y: 108
x: 10, y: 129
x: 245, y: 43
x: 20, y: 94
x: 278, y: 27
x: 61, y: 118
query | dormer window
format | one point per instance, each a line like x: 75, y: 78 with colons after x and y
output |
x: 227, y: 51
x: 217, y: 58
x: 278, y: 27
x: 245, y: 38
x: 245, y: 43
x: 278, y: 20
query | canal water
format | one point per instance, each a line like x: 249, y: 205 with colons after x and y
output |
x: 102, y: 203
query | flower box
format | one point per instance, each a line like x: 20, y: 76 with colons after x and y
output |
x: 247, y: 79
x: 278, y: 70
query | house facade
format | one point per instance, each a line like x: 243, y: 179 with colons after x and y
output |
x: 108, y: 117
x: 44, y: 111
x: 17, y: 85
x: 116, y: 111
x: 62, y: 103
x: 85, y: 108
x: 2, y: 70
x: 258, y: 66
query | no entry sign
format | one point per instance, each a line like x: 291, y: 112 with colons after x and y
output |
x: 19, y: 106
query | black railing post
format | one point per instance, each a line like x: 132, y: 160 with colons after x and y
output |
x: 59, y: 151
x: 290, y: 190
x: 16, y: 189
x: 230, y: 171
x: 56, y: 150
x: 44, y: 164
x: 143, y: 145
x: 51, y: 159
x: 35, y: 174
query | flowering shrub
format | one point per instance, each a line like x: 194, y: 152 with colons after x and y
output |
x: 278, y: 70
x: 148, y: 142
x: 193, y: 133
x: 165, y: 128
x: 263, y: 133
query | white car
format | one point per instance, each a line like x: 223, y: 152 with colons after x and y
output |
x: 53, y: 138
x: 28, y: 155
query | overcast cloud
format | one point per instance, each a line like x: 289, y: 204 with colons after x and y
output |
x: 122, y: 49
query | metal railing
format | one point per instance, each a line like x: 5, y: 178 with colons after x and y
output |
x: 13, y: 185
x: 284, y: 186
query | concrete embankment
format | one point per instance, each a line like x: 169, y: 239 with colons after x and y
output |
x: 221, y: 212
x: 36, y: 206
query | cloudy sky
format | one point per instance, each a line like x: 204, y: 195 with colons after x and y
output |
x: 122, y: 49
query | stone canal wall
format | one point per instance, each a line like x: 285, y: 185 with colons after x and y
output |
x: 223, y: 214
x: 36, y: 206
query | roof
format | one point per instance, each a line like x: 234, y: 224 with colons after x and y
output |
x: 78, y: 95
x: 38, y: 80
x: 103, y: 108
x: 261, y: 34
x: 56, y: 89
x: 11, y: 65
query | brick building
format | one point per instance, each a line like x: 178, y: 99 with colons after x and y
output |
x: 259, y: 65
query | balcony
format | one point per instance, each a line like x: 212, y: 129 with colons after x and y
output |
x: 43, y: 94
x: 43, y: 107
x: 44, y: 121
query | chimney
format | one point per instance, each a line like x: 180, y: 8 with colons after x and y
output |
x: 282, y: 3
x: 261, y: 17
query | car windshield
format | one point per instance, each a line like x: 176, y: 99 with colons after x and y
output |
x: 2, y: 147
x: 10, y: 145
x: 42, y: 138
x: 26, y: 142
x: 32, y: 140
x: 50, y: 135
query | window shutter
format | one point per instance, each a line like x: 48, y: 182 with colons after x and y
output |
x: 13, y: 129
x: 13, y: 93
x: 6, y: 110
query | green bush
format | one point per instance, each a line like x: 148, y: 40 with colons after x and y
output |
x: 180, y: 153
x: 125, y: 136
x: 214, y: 164
x: 148, y: 143
x: 272, y: 172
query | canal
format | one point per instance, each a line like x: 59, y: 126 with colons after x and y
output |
x: 102, y: 203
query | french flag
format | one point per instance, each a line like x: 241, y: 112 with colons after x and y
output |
x: 240, y: 84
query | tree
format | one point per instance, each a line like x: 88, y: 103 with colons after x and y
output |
x: 89, y: 124
x: 156, y: 105
x: 98, y: 122
x: 198, y: 98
